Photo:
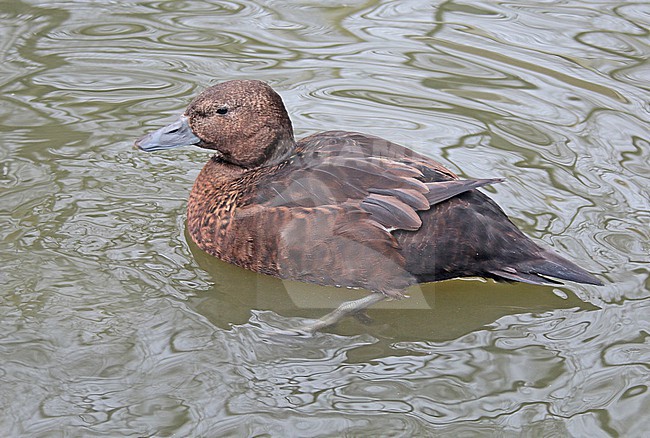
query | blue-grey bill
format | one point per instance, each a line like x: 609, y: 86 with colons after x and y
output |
x: 176, y: 134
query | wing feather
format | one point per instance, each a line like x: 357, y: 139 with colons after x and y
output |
x: 392, y: 185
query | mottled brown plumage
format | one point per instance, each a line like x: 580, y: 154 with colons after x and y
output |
x: 340, y: 208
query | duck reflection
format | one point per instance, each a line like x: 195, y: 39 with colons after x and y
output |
x: 433, y: 311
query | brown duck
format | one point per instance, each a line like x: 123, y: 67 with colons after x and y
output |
x: 340, y: 208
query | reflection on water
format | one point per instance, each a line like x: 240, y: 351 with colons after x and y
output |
x: 436, y: 311
x: 112, y: 323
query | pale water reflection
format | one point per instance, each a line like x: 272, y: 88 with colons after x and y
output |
x: 112, y: 323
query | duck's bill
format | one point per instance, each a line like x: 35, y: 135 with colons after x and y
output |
x: 176, y: 134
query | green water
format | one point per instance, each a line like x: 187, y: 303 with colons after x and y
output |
x: 113, y: 324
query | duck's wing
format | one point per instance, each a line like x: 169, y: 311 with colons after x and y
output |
x: 386, y: 180
x: 355, y: 144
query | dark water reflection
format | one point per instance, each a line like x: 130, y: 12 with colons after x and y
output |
x: 111, y: 323
x: 436, y: 311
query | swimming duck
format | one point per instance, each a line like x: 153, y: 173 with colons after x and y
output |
x: 340, y: 208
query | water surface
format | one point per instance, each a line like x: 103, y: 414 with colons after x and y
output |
x: 113, y: 324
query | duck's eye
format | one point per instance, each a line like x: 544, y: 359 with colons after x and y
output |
x: 223, y: 110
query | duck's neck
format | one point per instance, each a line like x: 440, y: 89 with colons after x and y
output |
x: 284, y: 148
x: 211, y: 203
x: 220, y: 171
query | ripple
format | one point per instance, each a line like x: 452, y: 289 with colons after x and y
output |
x: 637, y: 14
x: 201, y: 39
x: 458, y: 70
x: 384, y: 102
x: 225, y: 7
x: 103, y: 81
x: 615, y: 43
x: 525, y: 131
x: 111, y: 30
x: 628, y: 353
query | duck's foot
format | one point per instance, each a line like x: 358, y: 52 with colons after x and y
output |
x: 363, y: 317
x: 345, y: 309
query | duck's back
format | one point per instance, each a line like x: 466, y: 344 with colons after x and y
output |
x: 463, y: 233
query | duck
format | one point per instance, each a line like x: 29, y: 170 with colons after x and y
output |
x: 341, y: 208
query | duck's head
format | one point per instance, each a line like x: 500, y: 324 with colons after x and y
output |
x: 244, y: 121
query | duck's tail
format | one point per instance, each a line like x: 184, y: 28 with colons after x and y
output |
x: 545, y: 269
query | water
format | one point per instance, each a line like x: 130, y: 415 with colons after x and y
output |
x: 113, y: 324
